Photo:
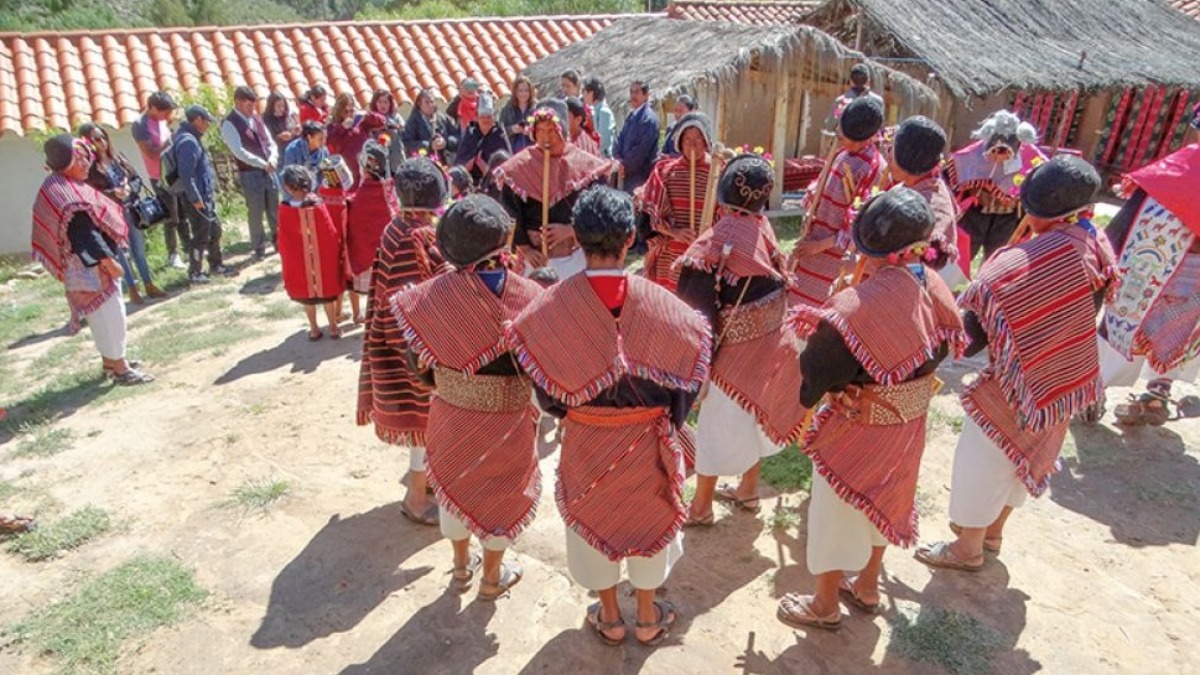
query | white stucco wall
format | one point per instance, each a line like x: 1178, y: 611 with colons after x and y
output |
x: 22, y: 169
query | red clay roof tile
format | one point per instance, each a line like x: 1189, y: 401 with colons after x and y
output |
x: 765, y: 13
x: 1189, y: 7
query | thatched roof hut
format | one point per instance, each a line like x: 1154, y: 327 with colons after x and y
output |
x: 763, y: 86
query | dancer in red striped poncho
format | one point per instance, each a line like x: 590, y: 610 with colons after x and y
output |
x: 915, y: 161
x: 481, y: 446
x: 621, y: 359
x: 873, y: 350
x: 1034, y: 307
x: 674, y: 198
x: 389, y: 393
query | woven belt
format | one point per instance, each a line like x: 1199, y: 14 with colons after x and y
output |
x: 595, y: 416
x: 753, y: 320
x: 877, y: 405
x: 487, y: 393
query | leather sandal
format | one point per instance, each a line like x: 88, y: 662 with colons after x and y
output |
x: 463, y: 577
x: 728, y: 493
x: 796, y: 611
x: 510, y: 575
x: 666, y: 617
x: 847, y: 592
x: 939, y: 555
x: 990, y: 544
x: 593, y: 620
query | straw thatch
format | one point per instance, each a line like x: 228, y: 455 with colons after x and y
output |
x: 672, y: 56
x: 980, y: 47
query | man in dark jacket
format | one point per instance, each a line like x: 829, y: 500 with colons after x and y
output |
x: 637, y: 144
x: 427, y: 130
x: 196, y: 182
x: 481, y: 140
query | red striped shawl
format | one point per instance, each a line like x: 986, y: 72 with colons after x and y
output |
x: 754, y: 251
x: 367, y: 213
x: 666, y: 198
x: 573, y: 348
x: 892, y: 325
x: 389, y: 394
x: 571, y: 171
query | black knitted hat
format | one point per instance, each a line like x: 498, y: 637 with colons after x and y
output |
x: 472, y: 229
x: 1060, y: 186
x: 862, y: 118
x: 746, y: 183
x: 420, y: 184
x: 891, y: 220
x: 918, y: 145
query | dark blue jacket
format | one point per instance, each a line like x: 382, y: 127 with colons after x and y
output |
x: 475, y: 144
x: 637, y: 146
x: 668, y: 148
x: 196, y: 175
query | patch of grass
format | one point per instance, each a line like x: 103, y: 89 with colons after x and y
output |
x: 259, y: 493
x: 939, y: 419
x: 85, y: 631
x: 957, y: 642
x: 1172, y: 493
x: 53, y: 540
x: 785, y: 517
x: 788, y: 471
x: 231, y: 438
x: 64, y: 392
x: 43, y: 441
x: 256, y: 408
x: 7, y: 490
x: 278, y: 310
x: 196, y: 303
x: 170, y: 342
x: 787, y: 230
x: 62, y: 355
x: 689, y: 492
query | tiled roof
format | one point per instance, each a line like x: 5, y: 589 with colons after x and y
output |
x: 1189, y: 7
x: 767, y: 13
x: 59, y: 80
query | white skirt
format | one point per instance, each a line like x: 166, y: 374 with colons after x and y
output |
x: 840, y: 537
x: 729, y: 441
x: 594, y: 571
x: 107, y: 325
x: 455, y: 530
x: 983, y: 481
x: 1116, y: 371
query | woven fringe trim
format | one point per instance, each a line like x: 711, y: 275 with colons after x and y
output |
x: 760, y: 415
x: 667, y: 436
x: 1006, y: 367
x: 1011, y: 451
x: 425, y: 355
x: 988, y: 186
x: 703, y: 265
x: 571, y: 186
x: 96, y: 302
x: 470, y: 522
x: 397, y: 437
x: 900, y: 372
x: 803, y: 320
x: 848, y: 495
x: 1141, y: 345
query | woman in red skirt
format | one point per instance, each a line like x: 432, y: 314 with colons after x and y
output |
x: 310, y: 248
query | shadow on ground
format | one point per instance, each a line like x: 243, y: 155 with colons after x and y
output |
x: 351, y: 566
x: 302, y: 355
x: 443, y: 637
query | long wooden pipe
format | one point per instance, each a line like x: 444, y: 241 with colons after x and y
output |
x: 545, y: 202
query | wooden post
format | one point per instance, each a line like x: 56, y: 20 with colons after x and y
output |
x: 783, y: 97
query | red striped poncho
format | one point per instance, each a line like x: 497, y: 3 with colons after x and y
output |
x: 850, y: 178
x: 367, y: 213
x: 893, y: 325
x: 620, y: 478
x: 389, y: 394
x: 667, y: 199
x: 481, y: 456
x: 756, y: 361
x: 945, y: 218
x: 1035, y: 301
x: 310, y: 251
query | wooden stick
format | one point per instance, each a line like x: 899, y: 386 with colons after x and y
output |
x: 1019, y: 233
x: 692, y: 192
x: 821, y: 182
x: 710, y: 190
x: 545, y: 202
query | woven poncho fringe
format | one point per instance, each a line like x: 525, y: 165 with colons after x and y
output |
x: 945, y: 215
x: 892, y: 326
x: 1035, y: 302
x: 573, y: 348
x: 968, y: 170
x: 754, y: 251
x: 1034, y: 454
x: 570, y: 172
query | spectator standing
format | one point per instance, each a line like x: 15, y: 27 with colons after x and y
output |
x: 342, y: 116
x: 383, y: 103
x: 112, y: 174
x: 683, y: 105
x: 602, y: 115
x: 571, y: 83
x: 196, y: 183
x: 426, y: 130
x: 351, y: 136
x: 481, y: 140
x: 152, y: 134
x: 314, y: 106
x: 514, y: 116
x: 464, y: 107
x: 256, y: 155
x: 637, y: 144
x: 308, y: 150
x: 283, y: 124
x: 579, y: 126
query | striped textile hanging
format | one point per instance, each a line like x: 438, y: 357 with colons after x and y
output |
x: 1145, y: 130
x: 1113, y: 122
x: 1137, y: 116
x: 1179, y: 110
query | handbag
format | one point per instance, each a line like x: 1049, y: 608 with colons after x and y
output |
x: 148, y: 210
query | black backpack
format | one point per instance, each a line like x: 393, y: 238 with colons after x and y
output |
x: 169, y: 169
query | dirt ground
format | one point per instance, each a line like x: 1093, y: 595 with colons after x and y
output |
x: 1100, y: 575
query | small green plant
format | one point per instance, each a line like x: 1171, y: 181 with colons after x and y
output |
x: 959, y: 643
x: 785, y: 517
x: 788, y: 471
x: 7, y: 490
x: 689, y: 492
x: 42, y: 440
x: 84, y: 632
x: 231, y: 438
x: 279, y: 310
x: 53, y: 540
x: 941, y: 420
x: 259, y: 493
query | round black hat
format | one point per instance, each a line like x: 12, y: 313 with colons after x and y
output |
x: 746, y: 183
x: 862, y: 118
x: 420, y: 184
x: 472, y: 229
x: 918, y: 145
x: 891, y: 220
x: 1060, y: 186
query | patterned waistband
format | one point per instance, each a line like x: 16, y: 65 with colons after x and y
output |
x: 876, y: 405
x: 752, y: 320
x: 486, y: 393
x: 596, y: 416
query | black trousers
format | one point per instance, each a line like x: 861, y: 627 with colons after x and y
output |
x: 206, y: 236
x: 989, y: 231
x: 175, y: 227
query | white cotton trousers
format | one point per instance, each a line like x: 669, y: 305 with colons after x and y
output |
x: 729, y: 441
x: 455, y: 530
x: 362, y: 282
x: 1117, y: 371
x: 107, y: 325
x: 416, y: 458
x: 594, y: 571
x: 570, y: 265
x: 840, y: 537
x: 983, y: 480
